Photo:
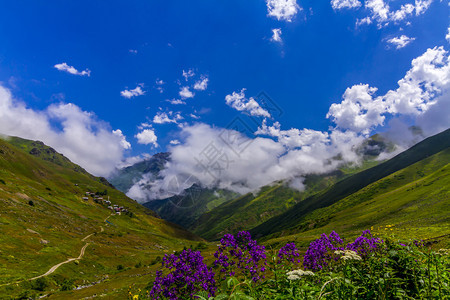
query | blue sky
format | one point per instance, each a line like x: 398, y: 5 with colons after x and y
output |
x: 124, y: 45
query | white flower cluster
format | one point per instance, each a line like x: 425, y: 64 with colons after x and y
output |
x: 348, y: 255
x: 297, y: 274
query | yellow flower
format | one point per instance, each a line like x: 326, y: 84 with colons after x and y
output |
x: 136, y: 297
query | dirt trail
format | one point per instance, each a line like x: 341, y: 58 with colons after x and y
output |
x: 55, y: 267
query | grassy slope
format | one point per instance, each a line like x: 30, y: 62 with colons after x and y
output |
x: 415, y: 200
x: 352, y: 184
x: 185, y: 209
x: 248, y: 211
x: 34, y: 238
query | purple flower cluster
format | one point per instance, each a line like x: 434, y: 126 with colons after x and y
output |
x: 289, y: 253
x: 241, y: 253
x: 188, y: 274
x: 365, y: 244
x: 320, y: 251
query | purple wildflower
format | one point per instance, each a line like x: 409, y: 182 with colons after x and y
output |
x: 240, y: 253
x: 319, y: 252
x: 188, y: 274
x: 289, y: 253
x: 365, y: 244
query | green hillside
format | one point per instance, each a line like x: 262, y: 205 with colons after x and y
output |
x: 411, y: 203
x: 248, y: 211
x: 44, y: 220
x: 344, y: 188
x: 186, y: 208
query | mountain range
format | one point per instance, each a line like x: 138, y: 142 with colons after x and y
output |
x: 69, y: 234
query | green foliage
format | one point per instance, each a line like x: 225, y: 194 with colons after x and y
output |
x: 120, y: 267
x: 2, y: 181
x: 39, y: 284
x: 67, y: 285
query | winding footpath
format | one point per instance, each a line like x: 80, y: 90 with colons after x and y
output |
x: 55, y: 267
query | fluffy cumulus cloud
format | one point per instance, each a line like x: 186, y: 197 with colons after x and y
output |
x: 424, y: 86
x: 202, y: 84
x: 167, y: 117
x: 71, y: 70
x: 276, y: 35
x: 228, y: 159
x: 185, y: 93
x: 341, y: 4
x: 401, y: 41
x: 239, y: 102
x: 147, y: 136
x: 133, y: 93
x: 207, y: 156
x: 79, y: 135
x: 282, y: 10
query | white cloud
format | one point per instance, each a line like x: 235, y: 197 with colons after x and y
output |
x: 364, y: 21
x: 186, y: 93
x: 282, y: 9
x: 176, y: 101
x: 358, y: 111
x: 170, y: 117
x: 401, y: 41
x: 341, y: 4
x: 147, y: 136
x: 202, y: 84
x: 447, y: 36
x: 174, y: 142
x: 276, y: 35
x: 133, y: 93
x: 262, y: 162
x: 240, y: 103
x: 194, y: 116
x: 79, y: 135
x: 160, y: 83
x: 123, y: 140
x: 424, y: 84
x: 188, y: 74
x: 71, y: 70
x: 133, y: 51
x: 381, y: 13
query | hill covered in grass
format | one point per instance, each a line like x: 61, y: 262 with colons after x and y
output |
x: 46, y: 217
x: 427, y: 158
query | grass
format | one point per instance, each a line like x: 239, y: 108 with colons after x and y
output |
x: 36, y: 237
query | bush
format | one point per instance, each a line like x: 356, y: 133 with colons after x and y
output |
x: 68, y: 285
x: 31, y: 203
x: 39, y: 284
x: 120, y: 267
